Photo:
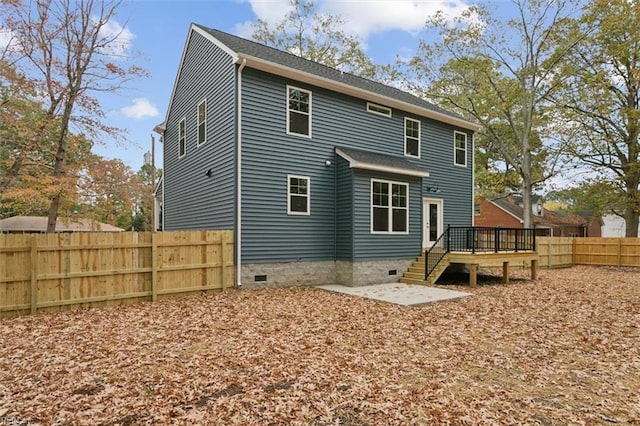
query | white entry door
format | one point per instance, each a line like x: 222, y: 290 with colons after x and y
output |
x: 432, y: 223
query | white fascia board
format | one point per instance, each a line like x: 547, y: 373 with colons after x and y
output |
x: 354, y: 164
x: 507, y: 212
x: 281, y: 70
x: 193, y: 28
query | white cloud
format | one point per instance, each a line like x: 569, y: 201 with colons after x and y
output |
x: 366, y: 17
x: 121, y: 38
x: 140, y: 109
x: 7, y: 40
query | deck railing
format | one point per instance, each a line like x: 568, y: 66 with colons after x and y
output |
x: 474, y: 239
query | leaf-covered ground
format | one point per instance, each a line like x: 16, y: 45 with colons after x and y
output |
x: 562, y: 350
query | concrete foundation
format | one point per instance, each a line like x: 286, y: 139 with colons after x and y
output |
x: 261, y: 275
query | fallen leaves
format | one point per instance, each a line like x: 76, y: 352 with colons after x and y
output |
x: 563, y: 349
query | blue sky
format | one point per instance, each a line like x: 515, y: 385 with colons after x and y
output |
x: 157, y: 30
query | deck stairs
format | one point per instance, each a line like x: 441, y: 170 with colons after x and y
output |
x: 415, y: 274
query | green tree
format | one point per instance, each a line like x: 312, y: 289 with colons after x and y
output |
x: 601, y: 100
x: 500, y: 72
x: 68, y: 54
x: 318, y: 37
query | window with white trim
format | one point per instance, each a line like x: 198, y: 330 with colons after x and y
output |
x: 182, y: 137
x: 460, y: 148
x: 202, y: 122
x: 378, y: 109
x: 298, y: 195
x: 389, y: 207
x: 411, y: 137
x: 298, y: 111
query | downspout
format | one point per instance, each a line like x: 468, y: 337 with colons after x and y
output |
x: 239, y: 179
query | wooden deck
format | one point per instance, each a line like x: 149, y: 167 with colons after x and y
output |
x: 416, y: 273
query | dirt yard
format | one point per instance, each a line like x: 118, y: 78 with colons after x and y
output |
x: 562, y: 350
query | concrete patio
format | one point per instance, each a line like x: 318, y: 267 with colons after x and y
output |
x: 398, y: 293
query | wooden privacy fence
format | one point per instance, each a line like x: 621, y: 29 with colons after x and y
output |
x: 606, y: 251
x: 562, y: 252
x: 44, y: 272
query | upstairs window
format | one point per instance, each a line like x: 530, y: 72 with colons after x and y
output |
x: 460, y: 148
x: 298, y: 112
x: 202, y: 122
x: 182, y: 137
x: 411, y: 138
x: 298, y: 196
x: 378, y: 109
x: 389, y: 207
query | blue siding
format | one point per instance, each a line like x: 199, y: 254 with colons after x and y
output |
x: 376, y: 246
x: 344, y: 210
x: 269, y: 154
x: 193, y: 200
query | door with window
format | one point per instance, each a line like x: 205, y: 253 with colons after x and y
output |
x: 432, y: 223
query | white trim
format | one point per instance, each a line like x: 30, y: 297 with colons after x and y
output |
x: 371, y: 104
x: 238, y: 233
x: 506, y: 211
x: 198, y: 143
x: 455, y: 148
x: 309, y: 114
x: 412, y: 138
x: 292, y: 213
x: 305, y: 77
x: 440, y: 225
x: 473, y: 179
x: 390, y: 207
x: 354, y: 164
x: 183, y: 120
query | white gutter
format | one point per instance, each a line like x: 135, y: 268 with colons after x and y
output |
x: 239, y: 180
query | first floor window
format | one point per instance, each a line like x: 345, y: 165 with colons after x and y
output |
x: 389, y: 207
x: 460, y: 148
x: 182, y: 137
x: 298, y: 195
x: 298, y: 111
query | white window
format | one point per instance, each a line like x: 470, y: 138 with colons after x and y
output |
x: 202, y: 122
x: 460, y: 148
x: 298, y: 112
x: 389, y: 207
x: 298, y: 195
x: 411, y: 137
x: 182, y: 137
x: 378, y: 109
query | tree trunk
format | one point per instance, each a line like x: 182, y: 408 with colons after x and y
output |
x: 632, y: 219
x: 11, y: 175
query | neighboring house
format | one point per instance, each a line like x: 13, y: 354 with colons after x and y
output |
x: 614, y: 226
x: 158, y: 197
x: 507, y: 212
x: 325, y: 177
x: 30, y: 224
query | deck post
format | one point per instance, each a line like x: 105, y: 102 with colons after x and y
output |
x: 505, y: 272
x: 534, y: 269
x: 473, y: 275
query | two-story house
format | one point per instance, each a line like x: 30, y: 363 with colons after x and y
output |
x: 325, y: 177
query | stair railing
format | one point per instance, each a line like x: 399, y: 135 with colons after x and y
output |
x: 434, y: 255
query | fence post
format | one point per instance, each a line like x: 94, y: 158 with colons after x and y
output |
x: 34, y: 274
x: 619, y: 251
x: 154, y: 267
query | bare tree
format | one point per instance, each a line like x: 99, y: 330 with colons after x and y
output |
x: 70, y: 50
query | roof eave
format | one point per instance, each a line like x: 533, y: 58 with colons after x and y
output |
x: 355, y: 164
x: 284, y: 71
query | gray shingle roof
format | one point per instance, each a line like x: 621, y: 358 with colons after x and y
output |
x: 260, y: 51
x: 368, y: 159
